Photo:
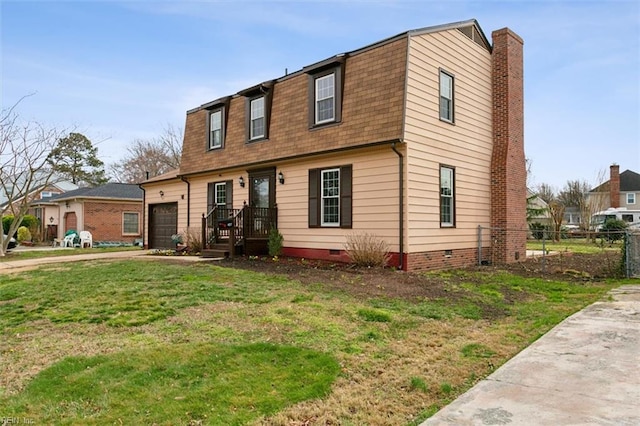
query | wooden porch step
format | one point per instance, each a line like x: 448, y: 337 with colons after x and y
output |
x: 214, y: 253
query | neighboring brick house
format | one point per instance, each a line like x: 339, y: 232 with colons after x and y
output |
x: 417, y: 138
x: 111, y: 212
x: 40, y: 207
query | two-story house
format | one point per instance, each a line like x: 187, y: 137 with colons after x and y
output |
x: 622, y: 190
x: 417, y: 138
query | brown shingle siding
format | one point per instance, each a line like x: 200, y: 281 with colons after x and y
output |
x: 373, y: 96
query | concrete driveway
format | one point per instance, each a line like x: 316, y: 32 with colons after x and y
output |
x: 585, y: 371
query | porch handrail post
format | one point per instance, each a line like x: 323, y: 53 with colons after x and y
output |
x: 232, y: 241
x: 205, y: 243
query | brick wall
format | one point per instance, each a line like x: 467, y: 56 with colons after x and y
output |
x: 373, y: 100
x: 104, y: 220
x: 614, y: 185
x: 508, y: 170
x: 443, y: 259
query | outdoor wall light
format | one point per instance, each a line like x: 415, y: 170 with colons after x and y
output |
x: 281, y: 178
x: 241, y: 182
x: 162, y: 193
x: 51, y: 219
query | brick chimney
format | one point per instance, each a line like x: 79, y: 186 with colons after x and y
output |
x: 614, y: 186
x: 508, y: 170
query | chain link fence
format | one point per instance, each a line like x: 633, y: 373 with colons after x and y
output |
x: 587, y: 254
x: 632, y: 253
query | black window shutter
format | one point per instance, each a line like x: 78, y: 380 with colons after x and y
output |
x: 314, y: 198
x: 345, y: 196
x: 229, y: 194
x: 210, y: 188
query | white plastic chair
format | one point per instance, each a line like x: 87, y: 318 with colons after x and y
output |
x: 68, y: 240
x: 86, y: 238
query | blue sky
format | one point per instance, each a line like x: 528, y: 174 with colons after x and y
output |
x: 121, y: 70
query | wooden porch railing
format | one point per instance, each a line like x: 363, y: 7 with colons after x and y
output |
x: 237, y: 225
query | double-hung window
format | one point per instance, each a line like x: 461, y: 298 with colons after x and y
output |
x: 330, y: 204
x: 447, y: 196
x: 325, y: 99
x: 330, y: 201
x: 216, y: 129
x: 446, y: 96
x: 130, y: 223
x: 631, y: 198
x: 257, y: 120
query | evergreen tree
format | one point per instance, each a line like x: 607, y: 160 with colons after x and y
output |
x: 76, y: 159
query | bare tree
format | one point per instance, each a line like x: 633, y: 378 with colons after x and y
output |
x: 24, y: 167
x: 149, y: 156
x: 546, y: 192
x: 556, y: 211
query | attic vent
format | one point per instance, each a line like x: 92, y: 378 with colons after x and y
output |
x: 473, y: 33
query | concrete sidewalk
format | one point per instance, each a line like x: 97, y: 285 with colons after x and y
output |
x: 586, y: 370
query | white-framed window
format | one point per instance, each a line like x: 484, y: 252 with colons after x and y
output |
x: 330, y: 203
x: 631, y: 198
x: 256, y: 125
x: 446, y: 96
x: 131, y: 223
x: 447, y: 204
x: 215, y: 129
x: 325, y: 98
x: 220, y: 194
x: 48, y: 194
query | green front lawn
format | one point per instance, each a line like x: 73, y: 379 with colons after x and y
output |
x: 158, y: 342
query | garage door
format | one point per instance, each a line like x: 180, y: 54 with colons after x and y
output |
x: 163, y: 223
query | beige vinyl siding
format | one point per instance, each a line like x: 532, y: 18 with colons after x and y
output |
x: 175, y: 191
x: 375, y: 199
x: 465, y: 145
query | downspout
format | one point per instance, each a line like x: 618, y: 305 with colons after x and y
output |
x: 400, y: 203
x: 182, y: 178
x: 144, y: 203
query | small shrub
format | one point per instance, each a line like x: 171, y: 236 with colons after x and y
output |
x: 368, y: 250
x: 24, y: 234
x: 613, y: 230
x: 275, y: 242
x: 537, y: 230
x: 193, y: 239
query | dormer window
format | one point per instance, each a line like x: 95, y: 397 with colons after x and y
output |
x: 325, y: 91
x: 216, y: 129
x: 258, y: 110
x: 256, y: 125
x: 216, y: 123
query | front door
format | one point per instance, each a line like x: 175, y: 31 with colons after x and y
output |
x: 262, y: 201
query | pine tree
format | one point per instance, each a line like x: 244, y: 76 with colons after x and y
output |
x: 76, y: 159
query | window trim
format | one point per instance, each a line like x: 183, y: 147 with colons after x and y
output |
x: 451, y: 117
x: 252, y: 119
x: 452, y: 222
x: 335, y: 67
x: 345, y: 203
x: 631, y: 195
x: 317, y: 99
x: 323, y: 198
x: 124, y: 231
x: 220, y: 110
